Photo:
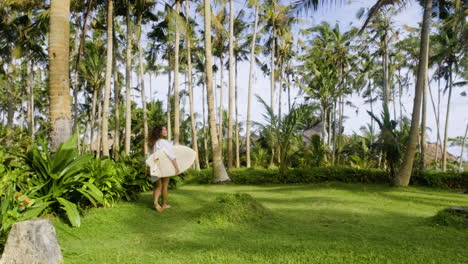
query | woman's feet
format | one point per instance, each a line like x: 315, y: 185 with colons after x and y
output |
x: 166, y: 206
x: 158, y: 207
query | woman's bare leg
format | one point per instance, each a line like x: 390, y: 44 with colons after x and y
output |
x: 156, y: 194
x: 165, y: 185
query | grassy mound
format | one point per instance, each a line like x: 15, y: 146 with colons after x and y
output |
x: 454, y: 216
x: 233, y: 208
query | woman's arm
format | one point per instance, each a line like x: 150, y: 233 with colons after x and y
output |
x: 176, y: 165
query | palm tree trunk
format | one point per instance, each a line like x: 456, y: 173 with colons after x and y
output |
x: 237, y: 121
x: 437, y: 124
x: 205, y: 132
x: 324, y: 123
x: 176, y: 78
x: 400, y: 94
x: 30, y: 90
x: 231, y: 83
x: 190, y: 88
x: 334, y: 131
x: 168, y: 112
x: 105, y: 120
x: 99, y: 122
x: 372, y: 111
x: 142, y: 87
x: 249, y: 96
x: 406, y: 168
x: 59, y: 82
x: 81, y: 50
x: 128, y: 83
x: 462, y: 148
x: 151, y: 88
x: 221, y: 88
x: 340, y: 126
x: 219, y: 172
x: 385, y: 71
x: 93, y: 118
x: 289, y: 92
x: 116, y: 147
x: 444, y: 151
x: 423, y: 126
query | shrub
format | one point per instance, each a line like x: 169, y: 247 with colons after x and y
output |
x: 322, y: 174
x: 451, y: 217
x: 58, y: 180
x: 233, y: 208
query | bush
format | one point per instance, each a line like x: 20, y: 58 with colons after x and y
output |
x: 451, y: 217
x: 323, y: 174
x: 233, y: 208
x: 433, y: 178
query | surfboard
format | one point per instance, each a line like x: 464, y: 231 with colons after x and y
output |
x: 161, y: 166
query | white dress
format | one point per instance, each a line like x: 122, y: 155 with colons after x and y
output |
x: 166, y: 146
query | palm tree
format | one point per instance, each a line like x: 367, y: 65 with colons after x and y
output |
x: 219, y: 172
x: 251, y: 69
x: 231, y: 82
x: 176, y: 76
x: 128, y: 77
x: 92, y: 73
x: 59, y: 83
x: 188, y: 36
x: 107, y: 88
x: 404, y: 174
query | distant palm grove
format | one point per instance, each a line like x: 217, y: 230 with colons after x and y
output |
x: 82, y: 68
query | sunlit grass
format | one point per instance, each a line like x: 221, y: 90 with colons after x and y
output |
x: 320, y: 223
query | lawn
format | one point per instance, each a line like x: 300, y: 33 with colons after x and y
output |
x: 316, y: 223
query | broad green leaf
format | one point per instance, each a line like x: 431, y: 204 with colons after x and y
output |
x: 71, y: 211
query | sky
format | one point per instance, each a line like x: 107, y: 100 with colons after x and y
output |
x: 345, y: 15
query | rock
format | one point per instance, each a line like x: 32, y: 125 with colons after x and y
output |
x: 32, y: 242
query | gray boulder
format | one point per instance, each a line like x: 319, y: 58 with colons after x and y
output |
x: 32, y: 242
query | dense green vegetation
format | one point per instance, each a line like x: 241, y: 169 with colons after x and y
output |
x: 313, y: 223
x: 75, y: 127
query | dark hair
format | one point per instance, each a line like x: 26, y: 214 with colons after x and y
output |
x: 156, y: 134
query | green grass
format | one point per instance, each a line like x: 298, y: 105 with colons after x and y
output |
x: 319, y: 223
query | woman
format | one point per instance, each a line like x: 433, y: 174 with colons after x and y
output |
x: 161, y: 185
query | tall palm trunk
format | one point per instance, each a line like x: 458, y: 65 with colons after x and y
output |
x: 462, y: 148
x: 128, y: 83
x: 142, y: 87
x: 190, y: 88
x: 449, y: 100
x: 385, y: 71
x: 219, y: 172
x: 168, y: 112
x: 93, y: 118
x: 237, y: 121
x: 59, y: 82
x: 30, y: 90
x: 107, y: 87
x: 400, y: 94
x: 176, y: 78
x: 205, y: 131
x: 116, y: 147
x: 406, y: 168
x: 249, y: 96
x: 231, y: 82
x: 437, y: 123
x: 372, y: 111
x: 99, y: 122
x: 423, y: 126
x: 221, y: 88
x: 81, y: 50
